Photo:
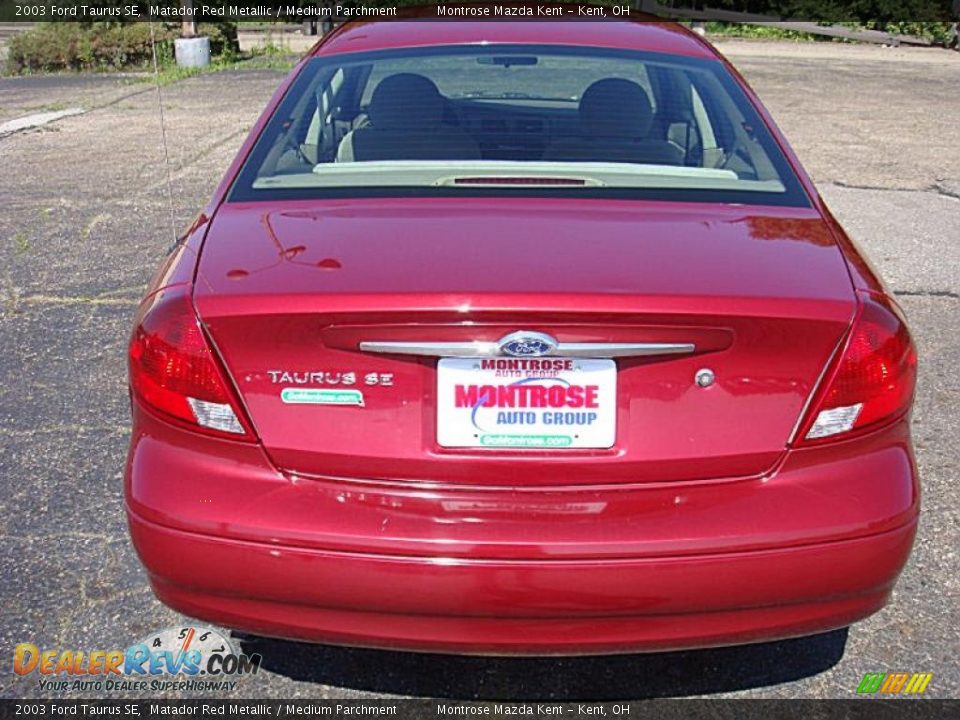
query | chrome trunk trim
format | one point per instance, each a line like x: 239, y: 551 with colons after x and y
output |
x: 492, y: 349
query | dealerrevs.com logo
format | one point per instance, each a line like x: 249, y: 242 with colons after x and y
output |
x: 180, y: 658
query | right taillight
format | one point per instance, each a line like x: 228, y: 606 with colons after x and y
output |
x: 872, y: 380
x: 175, y: 371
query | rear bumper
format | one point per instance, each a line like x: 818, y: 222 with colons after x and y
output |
x: 521, y: 606
x: 815, y: 546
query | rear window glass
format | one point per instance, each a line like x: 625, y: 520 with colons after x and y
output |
x: 509, y: 119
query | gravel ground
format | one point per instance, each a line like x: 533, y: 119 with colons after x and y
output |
x: 87, y: 216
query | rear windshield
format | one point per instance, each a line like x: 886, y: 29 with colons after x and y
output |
x: 512, y: 119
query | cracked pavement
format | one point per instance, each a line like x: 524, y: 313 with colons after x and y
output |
x: 87, y: 217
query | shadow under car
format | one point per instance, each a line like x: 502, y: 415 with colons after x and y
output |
x: 603, y: 677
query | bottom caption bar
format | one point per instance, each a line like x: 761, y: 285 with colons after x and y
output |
x: 714, y: 709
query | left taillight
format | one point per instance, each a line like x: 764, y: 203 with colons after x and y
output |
x: 175, y: 371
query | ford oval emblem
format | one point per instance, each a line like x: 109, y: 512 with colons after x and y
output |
x: 527, y: 344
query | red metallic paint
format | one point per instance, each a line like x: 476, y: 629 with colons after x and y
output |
x: 813, y: 545
x: 648, y: 36
x: 692, y: 532
x: 771, y: 281
x: 815, y: 495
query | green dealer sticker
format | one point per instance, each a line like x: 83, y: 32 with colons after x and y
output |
x: 300, y: 396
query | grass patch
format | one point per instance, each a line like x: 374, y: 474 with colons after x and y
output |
x: 21, y: 243
x: 46, y: 107
x: 738, y: 30
x: 170, y: 73
x: 91, y: 224
x: 936, y: 32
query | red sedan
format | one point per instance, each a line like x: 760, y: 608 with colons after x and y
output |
x: 520, y: 338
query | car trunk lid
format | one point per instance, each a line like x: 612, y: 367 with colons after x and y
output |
x: 289, y: 292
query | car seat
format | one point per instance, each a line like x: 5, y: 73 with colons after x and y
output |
x: 406, y: 123
x: 615, y: 119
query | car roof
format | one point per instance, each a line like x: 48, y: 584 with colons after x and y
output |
x: 419, y: 27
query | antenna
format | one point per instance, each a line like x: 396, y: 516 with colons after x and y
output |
x: 163, y: 134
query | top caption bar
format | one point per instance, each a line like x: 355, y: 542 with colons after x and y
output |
x: 744, y: 11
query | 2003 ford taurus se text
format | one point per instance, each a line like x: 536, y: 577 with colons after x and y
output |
x: 520, y: 338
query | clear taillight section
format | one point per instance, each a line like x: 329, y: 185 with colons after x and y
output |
x: 873, y: 379
x: 174, y: 370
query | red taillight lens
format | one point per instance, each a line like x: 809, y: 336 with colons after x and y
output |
x: 174, y: 370
x: 871, y: 382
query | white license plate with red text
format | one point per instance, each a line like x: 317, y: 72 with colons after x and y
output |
x: 542, y: 403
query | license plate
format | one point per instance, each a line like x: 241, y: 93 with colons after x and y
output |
x: 542, y: 403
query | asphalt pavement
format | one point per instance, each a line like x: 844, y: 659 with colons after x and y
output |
x: 90, y: 204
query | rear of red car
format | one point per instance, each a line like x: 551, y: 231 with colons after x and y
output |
x: 521, y: 408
